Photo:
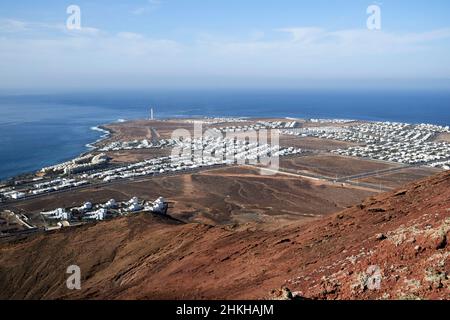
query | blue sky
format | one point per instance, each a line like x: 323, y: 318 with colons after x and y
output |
x: 207, y: 43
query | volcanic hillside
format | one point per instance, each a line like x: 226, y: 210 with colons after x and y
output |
x: 392, y: 246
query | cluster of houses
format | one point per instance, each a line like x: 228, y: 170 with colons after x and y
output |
x: 334, y: 133
x: 78, y: 165
x: 331, y: 120
x: 192, y: 154
x: 441, y: 164
x: 110, y: 209
x: 56, y: 185
x: 261, y: 125
x: 42, y: 188
x: 400, y: 132
x: 10, y: 193
x: 412, y: 153
x: 236, y: 150
x: 214, y: 121
x: 373, y: 132
x: 389, y: 141
x: 138, y: 144
x: 157, y: 166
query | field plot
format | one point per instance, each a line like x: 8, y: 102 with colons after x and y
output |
x: 311, y: 143
x: 399, y: 178
x: 443, y: 137
x: 130, y: 130
x: 333, y: 166
x: 131, y: 156
x: 145, y: 129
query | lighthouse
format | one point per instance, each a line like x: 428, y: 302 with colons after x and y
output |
x: 151, y: 114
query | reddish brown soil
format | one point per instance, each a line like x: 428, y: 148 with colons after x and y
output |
x: 403, y: 234
x: 132, y: 156
x: 140, y: 129
x: 128, y: 131
x: 311, y: 143
x: 399, y: 178
x: 333, y: 166
x: 445, y: 137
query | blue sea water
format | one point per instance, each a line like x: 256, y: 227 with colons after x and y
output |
x: 40, y: 130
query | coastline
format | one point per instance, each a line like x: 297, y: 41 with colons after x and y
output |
x: 107, y: 133
x: 91, y: 146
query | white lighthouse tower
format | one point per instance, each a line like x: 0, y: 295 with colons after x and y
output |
x: 151, y: 114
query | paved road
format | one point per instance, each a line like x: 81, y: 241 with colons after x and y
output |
x: 155, y: 135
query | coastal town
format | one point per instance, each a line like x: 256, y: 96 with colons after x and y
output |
x: 227, y: 142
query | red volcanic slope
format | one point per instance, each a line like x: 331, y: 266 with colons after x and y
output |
x: 393, y: 246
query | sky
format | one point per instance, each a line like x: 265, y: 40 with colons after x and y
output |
x: 233, y: 43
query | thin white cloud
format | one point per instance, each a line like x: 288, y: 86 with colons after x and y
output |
x: 257, y: 35
x: 362, y: 37
x: 12, y: 25
x: 304, y: 53
x: 18, y: 27
x: 84, y: 31
x: 304, y: 35
x: 130, y: 35
x: 150, y: 6
x: 433, y: 35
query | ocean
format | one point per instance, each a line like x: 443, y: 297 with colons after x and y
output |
x: 41, y: 130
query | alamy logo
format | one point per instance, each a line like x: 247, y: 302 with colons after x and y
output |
x: 74, y: 20
x: 74, y: 280
x: 374, y: 19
